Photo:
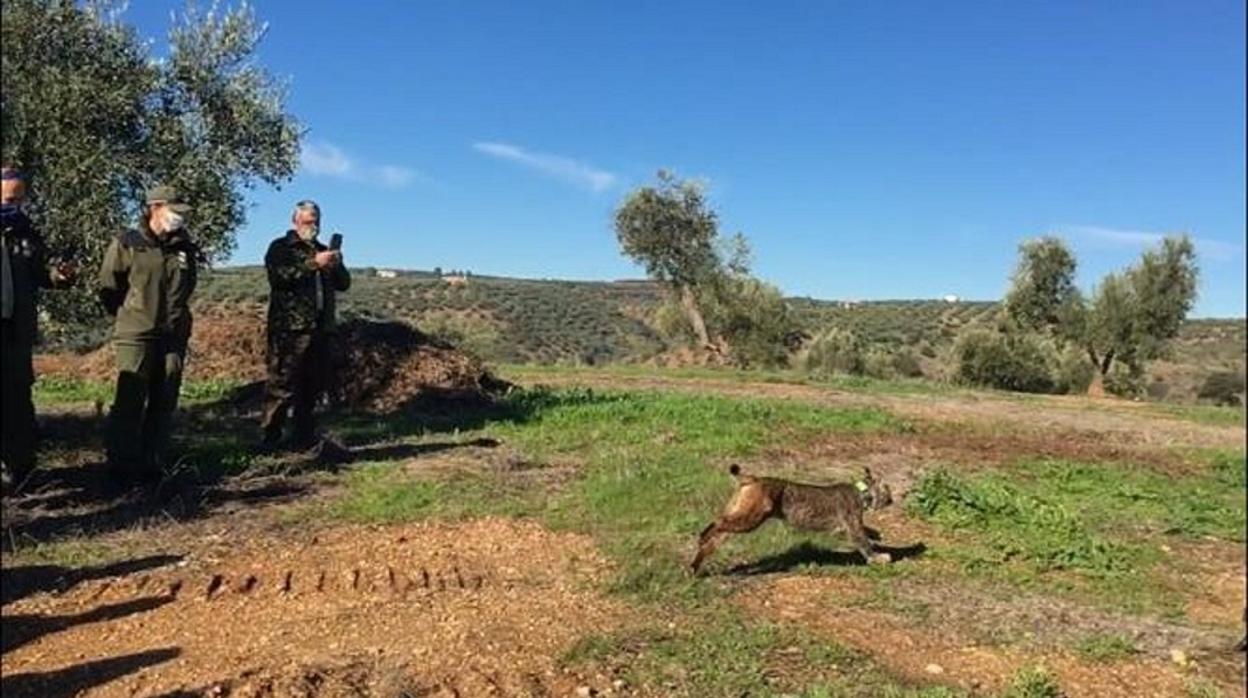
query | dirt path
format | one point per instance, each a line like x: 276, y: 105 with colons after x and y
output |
x: 1125, y: 424
x: 940, y: 650
x: 458, y: 609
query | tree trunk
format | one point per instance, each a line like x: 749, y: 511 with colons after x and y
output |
x: 1102, y: 365
x: 689, y: 302
x: 1097, y: 387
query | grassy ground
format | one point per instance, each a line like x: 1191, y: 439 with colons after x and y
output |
x: 643, y: 471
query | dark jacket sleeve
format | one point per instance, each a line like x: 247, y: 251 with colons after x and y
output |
x: 114, y: 279
x: 341, y: 277
x: 286, y: 266
x: 39, y: 265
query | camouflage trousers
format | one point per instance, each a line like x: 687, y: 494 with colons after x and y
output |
x: 299, y: 371
x: 148, y: 382
x: 17, y: 441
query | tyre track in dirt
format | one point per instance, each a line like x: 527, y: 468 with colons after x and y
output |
x: 455, y: 609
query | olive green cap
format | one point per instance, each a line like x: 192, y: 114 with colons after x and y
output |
x: 169, y: 196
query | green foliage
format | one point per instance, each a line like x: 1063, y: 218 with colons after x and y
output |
x: 1125, y: 380
x: 716, y: 653
x: 93, y: 119
x: 1106, y: 647
x: 835, y: 351
x: 1100, y: 521
x: 906, y: 365
x: 51, y: 390
x: 1131, y: 316
x: 1033, y: 682
x: 1072, y: 373
x: 1164, y: 284
x: 473, y: 335
x: 1017, y: 360
x: 753, y: 317
x: 1043, y: 288
x: 1200, y: 687
x: 1017, y: 525
x: 878, y: 362
x: 671, y: 230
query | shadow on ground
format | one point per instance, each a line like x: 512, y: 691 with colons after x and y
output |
x: 808, y: 554
x: 20, y: 581
x: 216, y: 462
x: 20, y: 629
x: 73, y: 680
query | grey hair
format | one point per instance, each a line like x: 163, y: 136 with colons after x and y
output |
x: 305, y: 205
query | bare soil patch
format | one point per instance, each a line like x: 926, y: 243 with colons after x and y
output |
x: 476, y: 609
x: 940, y: 651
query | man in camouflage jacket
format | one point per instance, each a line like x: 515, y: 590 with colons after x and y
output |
x: 304, y: 276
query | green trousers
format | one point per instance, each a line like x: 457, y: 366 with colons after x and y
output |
x: 17, y: 441
x: 148, y: 381
x: 299, y: 367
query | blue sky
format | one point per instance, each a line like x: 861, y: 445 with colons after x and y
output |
x: 868, y: 150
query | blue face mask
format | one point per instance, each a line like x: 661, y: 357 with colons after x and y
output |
x: 8, y: 211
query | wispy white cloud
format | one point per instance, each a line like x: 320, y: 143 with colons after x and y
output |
x: 1118, y: 237
x: 567, y: 169
x: 325, y: 159
x: 395, y: 176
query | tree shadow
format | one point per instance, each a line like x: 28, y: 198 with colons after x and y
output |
x: 388, y: 452
x: 73, y: 680
x: 809, y: 554
x: 20, y: 629
x: 19, y: 582
x: 218, y: 462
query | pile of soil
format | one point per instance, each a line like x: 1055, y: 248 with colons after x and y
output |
x: 383, y: 366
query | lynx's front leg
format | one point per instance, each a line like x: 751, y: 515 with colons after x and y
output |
x: 858, y: 535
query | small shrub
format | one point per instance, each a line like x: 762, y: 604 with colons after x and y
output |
x: 906, y: 365
x: 1157, y: 390
x: 1033, y: 682
x: 1125, y: 381
x: 878, y: 363
x: 1007, y: 361
x: 1073, y: 373
x: 1223, y: 388
x: 835, y: 350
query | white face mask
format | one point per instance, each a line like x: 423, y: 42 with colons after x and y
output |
x: 173, y: 221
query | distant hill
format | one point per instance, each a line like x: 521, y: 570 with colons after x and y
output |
x: 593, y: 322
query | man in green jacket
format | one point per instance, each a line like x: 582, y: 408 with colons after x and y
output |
x: 23, y: 271
x: 303, y: 276
x: 146, y: 281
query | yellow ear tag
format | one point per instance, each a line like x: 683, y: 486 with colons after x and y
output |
x: 862, y: 486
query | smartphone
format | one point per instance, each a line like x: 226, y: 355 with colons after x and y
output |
x: 335, y: 241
